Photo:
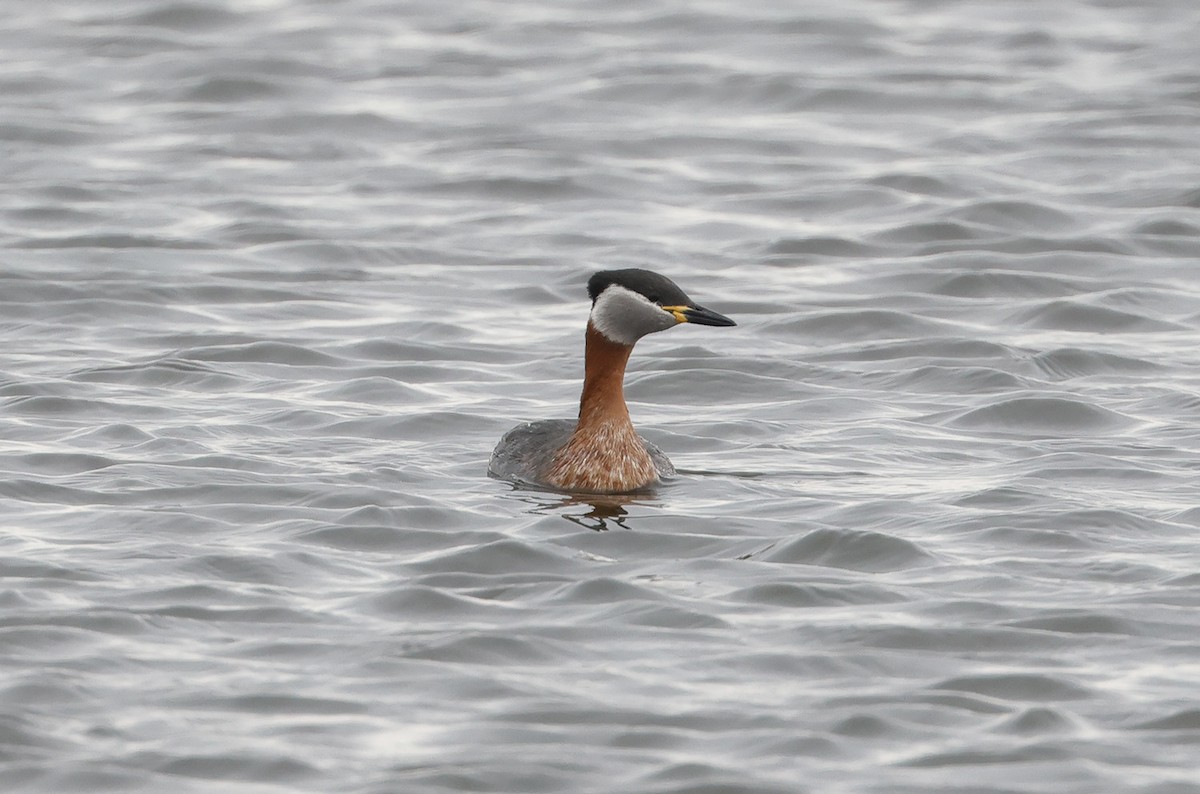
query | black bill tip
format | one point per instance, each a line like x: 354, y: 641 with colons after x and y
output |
x: 702, y: 316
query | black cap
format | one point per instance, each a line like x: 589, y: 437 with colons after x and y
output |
x: 654, y: 286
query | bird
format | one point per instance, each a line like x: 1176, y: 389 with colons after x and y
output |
x: 600, y: 452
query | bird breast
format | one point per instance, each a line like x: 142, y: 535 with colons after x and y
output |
x: 606, y: 457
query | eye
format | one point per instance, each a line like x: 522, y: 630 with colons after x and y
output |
x: 653, y: 298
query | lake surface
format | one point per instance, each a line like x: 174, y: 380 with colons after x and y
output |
x: 276, y: 276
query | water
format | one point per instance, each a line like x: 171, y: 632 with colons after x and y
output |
x: 277, y: 275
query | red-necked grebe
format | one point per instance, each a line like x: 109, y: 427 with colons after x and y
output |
x: 601, y: 452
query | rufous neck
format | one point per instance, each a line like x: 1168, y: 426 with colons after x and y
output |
x: 603, y: 396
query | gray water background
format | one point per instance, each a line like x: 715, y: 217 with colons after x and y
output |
x: 275, y: 276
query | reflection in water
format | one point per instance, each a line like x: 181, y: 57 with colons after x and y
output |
x: 606, y: 510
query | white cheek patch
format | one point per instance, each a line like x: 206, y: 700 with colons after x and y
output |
x: 624, y: 316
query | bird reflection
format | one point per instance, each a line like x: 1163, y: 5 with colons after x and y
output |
x: 605, y: 511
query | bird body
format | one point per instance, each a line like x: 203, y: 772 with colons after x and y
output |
x: 601, y: 452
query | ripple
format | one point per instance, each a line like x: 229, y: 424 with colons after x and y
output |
x: 23, y: 732
x: 790, y: 247
x: 43, y: 134
x: 958, y: 639
x: 860, y: 324
x: 262, y: 353
x: 184, y: 17
x: 930, y: 350
x: 273, y: 703
x: 251, y: 615
x: 1016, y: 216
x: 850, y: 549
x: 1038, y: 720
x: 1043, y: 416
x: 113, y: 240
x: 1074, y: 362
x: 419, y: 602
x: 1169, y: 227
x: 169, y: 371
x: 1079, y: 623
x: 933, y: 231
x: 606, y: 590
x: 922, y: 184
x: 787, y: 594
x: 229, y: 89
x: 697, y: 777
x: 665, y: 616
x: 866, y: 726
x: 702, y: 386
x: 1066, y: 315
x: 964, y: 380
x: 234, y: 767
x: 78, y: 408
x: 1005, y: 284
x: 972, y: 758
x: 499, y: 557
x: 1018, y: 686
x: 1182, y: 720
x: 492, y: 649
x: 59, y: 463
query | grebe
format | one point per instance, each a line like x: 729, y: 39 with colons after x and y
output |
x: 601, y: 452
